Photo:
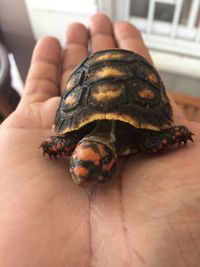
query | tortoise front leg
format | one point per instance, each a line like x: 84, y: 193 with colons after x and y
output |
x: 61, y: 145
x: 154, y: 142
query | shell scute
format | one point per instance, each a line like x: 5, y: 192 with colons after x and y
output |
x: 145, y: 72
x: 108, y: 71
x: 106, y: 95
x: 72, y: 99
x: 113, y: 55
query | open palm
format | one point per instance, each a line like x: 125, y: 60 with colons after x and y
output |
x: 148, y: 215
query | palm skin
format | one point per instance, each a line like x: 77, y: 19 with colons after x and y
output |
x: 147, y: 215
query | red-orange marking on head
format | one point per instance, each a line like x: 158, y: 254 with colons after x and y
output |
x: 86, y: 153
x: 80, y: 171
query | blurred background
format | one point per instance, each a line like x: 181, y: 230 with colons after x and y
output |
x: 170, y: 28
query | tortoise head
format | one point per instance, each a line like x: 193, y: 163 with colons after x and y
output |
x: 92, y: 162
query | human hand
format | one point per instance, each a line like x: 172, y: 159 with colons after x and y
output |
x: 147, y: 215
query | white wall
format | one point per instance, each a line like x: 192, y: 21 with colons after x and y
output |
x: 50, y: 17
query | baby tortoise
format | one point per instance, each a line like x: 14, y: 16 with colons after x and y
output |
x: 114, y: 104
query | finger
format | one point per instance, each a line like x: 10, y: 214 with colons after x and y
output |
x: 101, y: 33
x: 179, y: 116
x: 43, y: 76
x: 76, y: 49
x: 128, y: 37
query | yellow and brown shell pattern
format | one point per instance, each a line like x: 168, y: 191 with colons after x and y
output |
x: 117, y: 85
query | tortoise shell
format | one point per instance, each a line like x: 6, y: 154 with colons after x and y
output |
x: 114, y: 84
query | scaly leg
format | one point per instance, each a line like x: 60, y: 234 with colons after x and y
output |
x: 62, y: 145
x: 154, y: 142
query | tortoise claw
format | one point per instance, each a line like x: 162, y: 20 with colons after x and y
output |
x: 190, y: 137
x: 55, y: 157
x: 52, y: 155
x: 185, y: 136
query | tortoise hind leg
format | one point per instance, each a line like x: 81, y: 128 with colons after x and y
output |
x: 61, y: 145
x: 154, y: 142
